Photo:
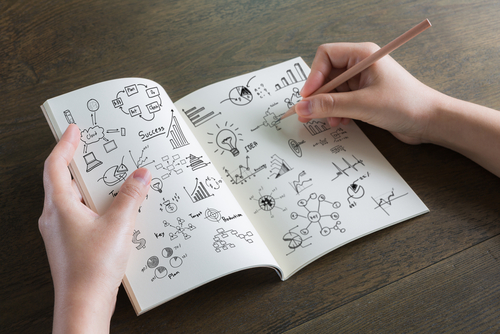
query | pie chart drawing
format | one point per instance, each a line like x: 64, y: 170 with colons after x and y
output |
x: 355, y: 191
x: 167, y: 252
x: 240, y: 96
x: 176, y: 262
x: 161, y: 272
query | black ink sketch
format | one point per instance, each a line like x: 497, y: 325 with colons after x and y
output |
x: 199, y: 192
x: 168, y: 206
x: 270, y: 119
x: 110, y: 146
x: 167, y: 252
x: 69, y: 117
x: 321, y: 142
x: 292, y: 77
x: 150, y: 108
x: 262, y: 91
x: 338, y: 135
x: 170, y: 165
x: 295, y: 240
x: 179, y: 229
x: 294, y: 98
x: 196, y: 162
x: 92, y: 135
x: 91, y: 161
x: 141, y: 243
x: 198, y: 116
x: 175, y: 132
x: 160, y: 272
x: 221, y: 244
x: 279, y: 167
x: 341, y: 171
x: 243, y: 173
x: 295, y: 146
x: 316, y: 126
x: 386, y: 199
x: 267, y: 202
x: 142, y: 161
x: 337, y: 149
x: 240, y: 95
x: 314, y: 214
x: 122, y: 131
x: 300, y: 184
x: 213, y: 215
x: 212, y: 183
x: 114, y: 174
x: 176, y: 262
x: 153, y: 262
x: 92, y: 105
x: 226, y: 140
x: 354, y: 191
x: 156, y: 184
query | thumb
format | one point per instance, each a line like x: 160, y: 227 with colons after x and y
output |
x: 337, y: 105
x: 130, y: 197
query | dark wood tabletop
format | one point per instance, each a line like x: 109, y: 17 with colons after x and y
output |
x: 439, y: 272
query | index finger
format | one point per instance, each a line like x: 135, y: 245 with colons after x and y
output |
x: 56, y: 176
x: 333, y: 59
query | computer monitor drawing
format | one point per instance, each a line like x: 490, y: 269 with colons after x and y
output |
x: 91, y: 161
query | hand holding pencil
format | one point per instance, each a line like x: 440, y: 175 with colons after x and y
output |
x: 383, y: 94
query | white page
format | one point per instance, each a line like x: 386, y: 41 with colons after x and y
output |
x: 307, y: 188
x: 190, y: 229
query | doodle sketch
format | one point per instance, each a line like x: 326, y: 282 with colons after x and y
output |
x: 221, y: 239
x: 267, y: 202
x: 295, y: 240
x: 386, y: 199
x: 279, y: 167
x: 242, y: 174
x: 240, y: 95
x: 227, y: 140
x: 314, y: 206
x: 114, y: 174
x: 343, y: 171
x: 292, y: 77
x: 199, y: 116
x: 180, y: 229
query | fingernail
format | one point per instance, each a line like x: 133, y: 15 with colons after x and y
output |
x: 143, y: 175
x: 303, y: 108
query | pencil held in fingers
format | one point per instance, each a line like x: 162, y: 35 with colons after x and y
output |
x: 365, y: 63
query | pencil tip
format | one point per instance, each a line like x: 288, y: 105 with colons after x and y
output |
x: 290, y: 112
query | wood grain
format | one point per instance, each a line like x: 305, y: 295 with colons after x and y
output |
x: 436, y: 273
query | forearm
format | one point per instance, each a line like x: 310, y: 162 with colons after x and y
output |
x: 467, y: 128
x: 80, y: 312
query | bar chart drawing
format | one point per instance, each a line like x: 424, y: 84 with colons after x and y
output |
x: 293, y: 76
x: 198, y: 116
x: 315, y: 127
x: 199, y: 192
x: 177, y: 139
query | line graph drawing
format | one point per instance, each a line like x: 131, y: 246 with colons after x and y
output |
x: 343, y: 171
x: 243, y: 173
x: 142, y: 161
x: 386, y: 199
x: 301, y: 184
x: 315, y: 208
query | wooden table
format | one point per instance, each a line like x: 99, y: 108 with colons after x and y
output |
x: 436, y: 273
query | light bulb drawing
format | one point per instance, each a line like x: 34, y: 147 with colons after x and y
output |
x: 156, y: 184
x: 226, y: 140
